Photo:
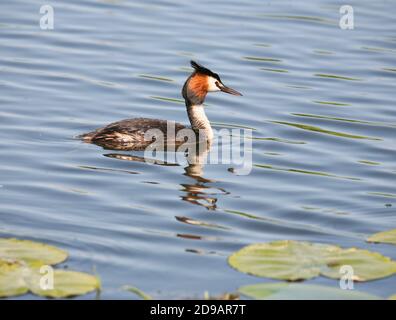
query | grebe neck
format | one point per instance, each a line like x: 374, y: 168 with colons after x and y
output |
x: 199, y: 120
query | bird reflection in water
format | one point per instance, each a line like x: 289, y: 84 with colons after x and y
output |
x: 199, y: 192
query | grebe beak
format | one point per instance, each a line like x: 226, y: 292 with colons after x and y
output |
x: 229, y: 90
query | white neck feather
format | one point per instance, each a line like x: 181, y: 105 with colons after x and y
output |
x: 199, y: 120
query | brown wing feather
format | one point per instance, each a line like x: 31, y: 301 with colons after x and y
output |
x: 128, y: 134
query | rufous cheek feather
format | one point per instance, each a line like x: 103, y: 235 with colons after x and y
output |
x: 198, y: 84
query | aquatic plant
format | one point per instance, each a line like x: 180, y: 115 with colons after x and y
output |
x: 26, y: 266
x: 296, y: 260
x: 384, y: 237
x: 299, y: 291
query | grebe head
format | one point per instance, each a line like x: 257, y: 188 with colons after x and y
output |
x: 202, y: 81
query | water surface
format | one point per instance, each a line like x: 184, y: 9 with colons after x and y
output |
x: 320, y: 101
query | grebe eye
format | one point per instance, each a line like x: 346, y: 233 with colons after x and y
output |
x: 217, y: 84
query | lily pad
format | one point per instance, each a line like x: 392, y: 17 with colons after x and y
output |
x: 295, y: 260
x: 11, y: 279
x: 66, y: 284
x: 297, y: 291
x: 367, y: 265
x: 30, y: 252
x: 20, y: 263
x: 385, y: 237
x: 16, y: 279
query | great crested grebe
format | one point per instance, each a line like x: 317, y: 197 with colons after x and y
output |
x: 129, y: 134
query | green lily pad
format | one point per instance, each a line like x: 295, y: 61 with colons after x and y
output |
x: 385, y: 237
x: 367, y: 265
x: 16, y: 279
x: 11, y: 279
x: 283, y: 260
x: 66, y: 284
x: 297, y: 291
x: 30, y: 252
x: 295, y: 260
x: 20, y: 263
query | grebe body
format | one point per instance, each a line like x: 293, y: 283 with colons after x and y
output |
x: 131, y: 134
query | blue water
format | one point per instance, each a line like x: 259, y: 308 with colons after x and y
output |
x: 321, y: 101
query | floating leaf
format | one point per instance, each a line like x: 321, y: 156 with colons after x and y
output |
x: 66, y: 284
x: 11, y: 279
x: 385, y: 237
x: 20, y: 263
x: 367, y: 265
x: 224, y: 296
x: 17, y: 279
x: 295, y: 260
x: 297, y: 291
x: 284, y: 260
x: 30, y: 252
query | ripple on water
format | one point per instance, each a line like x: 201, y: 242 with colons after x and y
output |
x: 319, y: 101
x: 151, y: 77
